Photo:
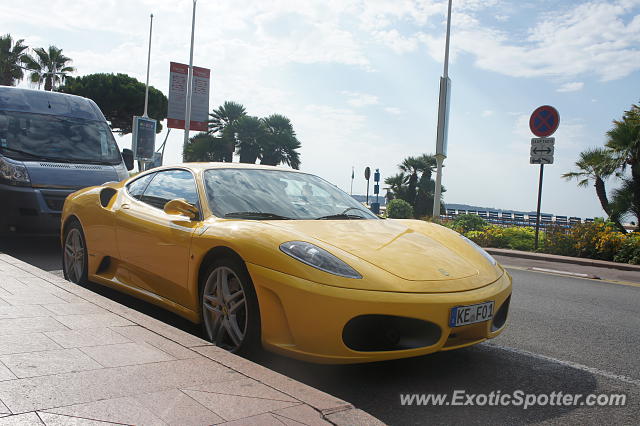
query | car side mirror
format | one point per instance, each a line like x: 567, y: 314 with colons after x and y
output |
x: 180, y: 206
x: 127, y: 157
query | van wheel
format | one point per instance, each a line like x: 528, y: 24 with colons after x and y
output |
x: 74, y: 254
x: 230, y: 307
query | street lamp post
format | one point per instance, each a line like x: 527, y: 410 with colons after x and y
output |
x: 187, y: 118
x: 443, y: 119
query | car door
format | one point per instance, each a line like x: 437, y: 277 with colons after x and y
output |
x: 153, y: 245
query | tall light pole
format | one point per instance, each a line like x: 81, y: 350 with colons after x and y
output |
x: 146, y: 90
x: 443, y: 119
x: 187, y: 117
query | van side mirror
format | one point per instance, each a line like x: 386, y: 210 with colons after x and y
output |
x: 180, y: 206
x: 127, y: 157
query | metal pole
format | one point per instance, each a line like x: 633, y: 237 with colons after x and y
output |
x: 436, y: 196
x: 442, y: 121
x: 539, y: 201
x: 367, y: 192
x: 353, y: 171
x: 446, y: 45
x: 146, y: 90
x: 187, y: 117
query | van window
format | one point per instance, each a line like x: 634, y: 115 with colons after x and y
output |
x: 27, y: 136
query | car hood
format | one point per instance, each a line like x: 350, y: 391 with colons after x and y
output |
x: 411, y: 250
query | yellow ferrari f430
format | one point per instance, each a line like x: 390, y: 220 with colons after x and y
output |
x: 271, y: 257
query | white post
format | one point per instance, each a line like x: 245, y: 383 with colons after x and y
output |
x: 443, y: 122
x: 187, y: 117
x: 146, y: 90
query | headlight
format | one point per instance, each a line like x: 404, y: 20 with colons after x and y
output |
x: 13, y: 173
x: 319, y: 258
x: 480, y: 250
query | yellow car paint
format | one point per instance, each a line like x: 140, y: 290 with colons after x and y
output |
x: 409, y: 268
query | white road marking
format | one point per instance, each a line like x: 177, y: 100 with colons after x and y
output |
x: 571, y: 274
x: 571, y: 364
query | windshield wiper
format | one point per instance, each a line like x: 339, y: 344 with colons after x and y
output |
x: 340, y: 216
x: 256, y: 215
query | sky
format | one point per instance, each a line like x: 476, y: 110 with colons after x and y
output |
x: 359, y: 79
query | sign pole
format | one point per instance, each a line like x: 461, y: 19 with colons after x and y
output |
x: 187, y: 117
x: 443, y: 118
x: 539, y: 202
x: 146, y: 90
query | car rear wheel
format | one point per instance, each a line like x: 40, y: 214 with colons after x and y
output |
x: 74, y: 254
x: 230, y: 307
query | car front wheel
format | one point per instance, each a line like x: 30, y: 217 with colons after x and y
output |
x: 74, y: 254
x: 230, y: 307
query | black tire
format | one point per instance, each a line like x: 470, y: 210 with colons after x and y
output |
x: 246, y: 320
x: 76, y: 269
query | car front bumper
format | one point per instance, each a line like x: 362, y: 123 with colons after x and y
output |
x: 307, y: 320
x: 30, y: 211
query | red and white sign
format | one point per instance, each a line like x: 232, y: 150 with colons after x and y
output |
x: 178, y: 97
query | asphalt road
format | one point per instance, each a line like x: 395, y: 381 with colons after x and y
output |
x: 569, y: 335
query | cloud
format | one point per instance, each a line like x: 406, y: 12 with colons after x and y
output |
x: 359, y: 100
x: 487, y: 113
x: 571, y: 87
x: 393, y: 110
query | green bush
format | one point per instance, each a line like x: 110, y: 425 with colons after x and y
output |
x: 630, y: 251
x: 469, y: 222
x: 514, y: 238
x: 399, y: 209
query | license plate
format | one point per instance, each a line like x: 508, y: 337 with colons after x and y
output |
x: 471, y: 314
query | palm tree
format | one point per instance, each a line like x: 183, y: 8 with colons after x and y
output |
x: 221, y: 119
x: 596, y: 165
x: 49, y: 66
x: 205, y: 147
x: 11, y: 59
x: 249, y: 133
x: 396, y: 185
x: 411, y: 166
x: 279, y: 143
x: 624, y: 141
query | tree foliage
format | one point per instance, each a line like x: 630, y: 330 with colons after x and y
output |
x: 12, y: 57
x: 620, y: 157
x: 48, y: 66
x: 399, y: 209
x: 414, y: 184
x: 205, y: 147
x: 120, y: 97
x: 272, y: 139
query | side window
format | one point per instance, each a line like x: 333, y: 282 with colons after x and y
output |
x: 137, y: 187
x: 169, y: 185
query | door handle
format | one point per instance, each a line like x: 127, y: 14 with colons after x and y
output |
x: 125, y: 207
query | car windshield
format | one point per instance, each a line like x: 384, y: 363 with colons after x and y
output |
x: 27, y: 136
x: 278, y: 194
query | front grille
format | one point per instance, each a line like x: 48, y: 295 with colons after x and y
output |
x: 373, y: 333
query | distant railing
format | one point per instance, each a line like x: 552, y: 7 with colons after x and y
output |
x: 517, y: 219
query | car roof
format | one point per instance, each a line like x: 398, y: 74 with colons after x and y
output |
x: 212, y: 165
x: 50, y: 103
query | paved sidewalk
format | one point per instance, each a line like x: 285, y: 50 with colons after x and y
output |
x: 70, y: 356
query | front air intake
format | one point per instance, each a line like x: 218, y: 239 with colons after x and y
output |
x: 373, y: 333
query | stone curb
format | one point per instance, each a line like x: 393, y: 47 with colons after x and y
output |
x: 563, y: 259
x: 332, y: 409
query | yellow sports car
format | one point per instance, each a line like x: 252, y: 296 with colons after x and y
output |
x: 279, y: 258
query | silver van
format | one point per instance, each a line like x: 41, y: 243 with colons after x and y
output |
x: 51, y: 144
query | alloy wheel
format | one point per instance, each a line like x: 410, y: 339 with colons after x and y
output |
x: 74, y: 256
x: 225, y: 310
